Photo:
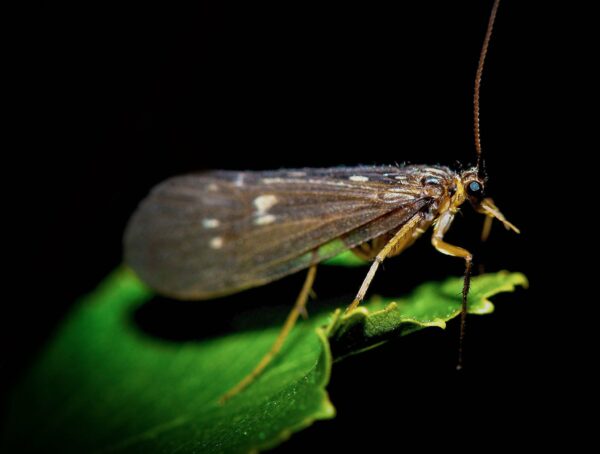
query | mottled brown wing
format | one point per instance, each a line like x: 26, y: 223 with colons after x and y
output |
x: 211, y: 234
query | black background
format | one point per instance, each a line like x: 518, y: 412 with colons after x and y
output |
x: 113, y: 99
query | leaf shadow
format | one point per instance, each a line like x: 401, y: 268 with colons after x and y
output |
x: 251, y: 310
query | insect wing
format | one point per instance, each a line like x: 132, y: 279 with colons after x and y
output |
x: 205, y: 235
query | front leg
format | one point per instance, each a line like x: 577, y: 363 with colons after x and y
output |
x: 440, y: 229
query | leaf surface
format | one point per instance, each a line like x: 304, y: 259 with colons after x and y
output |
x: 103, y: 385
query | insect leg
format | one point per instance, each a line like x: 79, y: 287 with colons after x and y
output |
x: 492, y: 212
x: 487, y: 228
x: 364, y: 251
x: 368, y: 251
x: 441, y: 227
x: 299, y: 307
x: 401, y: 239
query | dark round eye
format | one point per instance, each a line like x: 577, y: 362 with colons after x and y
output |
x: 474, y: 188
x: 431, y: 181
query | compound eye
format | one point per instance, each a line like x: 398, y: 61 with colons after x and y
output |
x: 475, y: 188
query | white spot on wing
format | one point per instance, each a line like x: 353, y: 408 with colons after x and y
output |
x: 216, y: 242
x: 358, y: 178
x: 264, y: 219
x: 273, y: 180
x: 210, y: 223
x: 297, y: 174
x: 263, y: 203
x: 330, y: 183
x: 213, y: 187
x: 239, y: 180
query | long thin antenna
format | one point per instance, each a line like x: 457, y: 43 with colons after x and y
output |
x: 478, y: 74
x: 467, y: 278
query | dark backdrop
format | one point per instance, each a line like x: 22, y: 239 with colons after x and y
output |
x: 116, y: 98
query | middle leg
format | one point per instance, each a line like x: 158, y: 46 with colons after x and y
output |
x: 399, y: 241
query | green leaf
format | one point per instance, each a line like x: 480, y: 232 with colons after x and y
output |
x: 103, y: 385
x: 429, y: 305
x: 346, y: 258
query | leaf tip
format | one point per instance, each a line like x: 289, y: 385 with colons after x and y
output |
x: 483, y: 308
x: 328, y: 409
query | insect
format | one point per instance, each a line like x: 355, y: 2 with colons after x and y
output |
x: 205, y: 235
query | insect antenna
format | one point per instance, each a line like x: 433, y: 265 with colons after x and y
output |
x: 478, y: 74
x: 480, y: 168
